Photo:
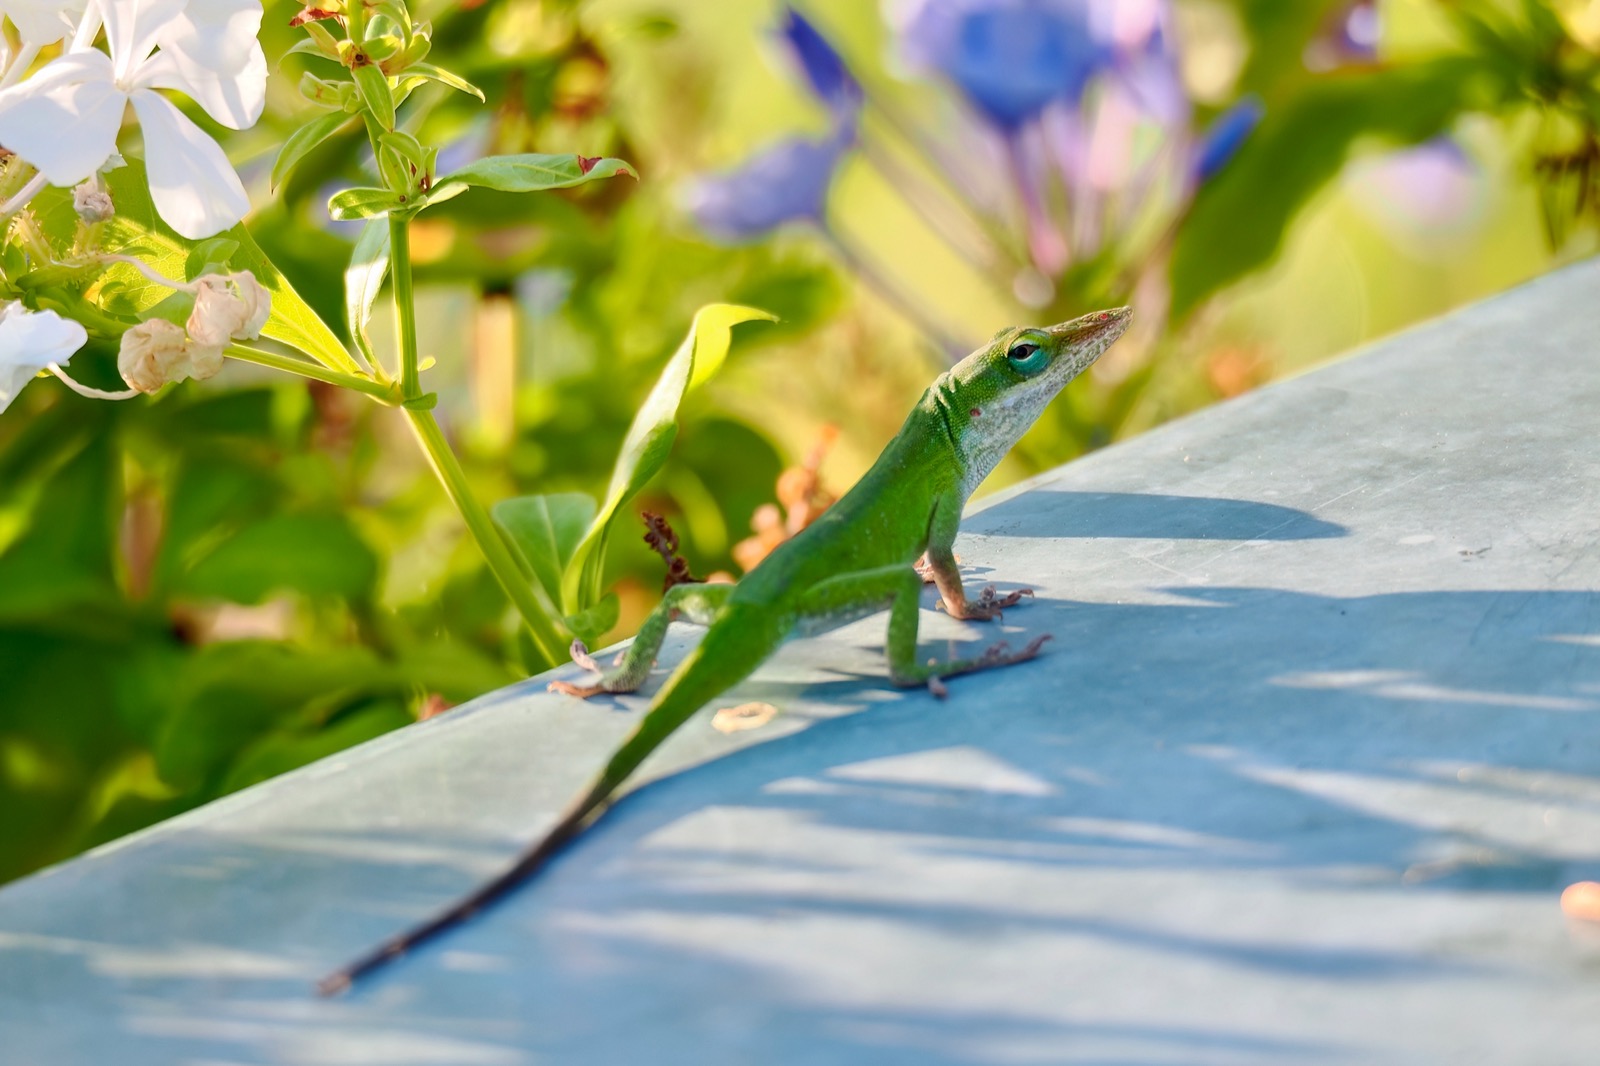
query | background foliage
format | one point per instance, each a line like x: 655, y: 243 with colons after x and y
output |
x: 208, y: 588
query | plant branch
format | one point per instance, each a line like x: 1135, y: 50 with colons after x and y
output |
x: 377, y: 390
x: 405, y: 306
x: 542, y: 618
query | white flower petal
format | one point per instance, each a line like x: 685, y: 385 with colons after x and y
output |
x: 133, y: 27
x: 234, y: 98
x: 42, y: 22
x: 219, y: 34
x: 64, y: 119
x: 12, y: 380
x: 31, y: 341
x: 194, y: 187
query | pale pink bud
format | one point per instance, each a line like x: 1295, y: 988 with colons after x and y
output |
x: 204, y: 361
x: 156, y: 352
x: 228, y: 307
x: 93, y: 202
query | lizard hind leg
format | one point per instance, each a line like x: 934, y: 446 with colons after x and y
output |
x: 898, y: 588
x: 697, y: 603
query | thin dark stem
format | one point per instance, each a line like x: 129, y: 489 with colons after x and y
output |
x: 963, y: 234
x: 1050, y: 253
x: 943, y: 173
x: 890, y: 293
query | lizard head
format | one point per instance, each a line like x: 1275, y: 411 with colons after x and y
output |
x: 994, y: 395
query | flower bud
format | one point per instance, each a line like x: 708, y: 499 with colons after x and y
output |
x: 157, y: 352
x: 228, y: 307
x: 92, y: 201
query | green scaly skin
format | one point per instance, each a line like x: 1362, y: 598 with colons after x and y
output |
x: 858, y: 558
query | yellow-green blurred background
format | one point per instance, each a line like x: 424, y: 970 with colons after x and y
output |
x: 211, y: 587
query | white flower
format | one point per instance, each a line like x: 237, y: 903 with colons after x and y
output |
x: 157, y: 352
x: 65, y: 118
x: 30, y: 341
x: 228, y: 307
x: 43, y: 22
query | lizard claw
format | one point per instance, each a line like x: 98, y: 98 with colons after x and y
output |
x: 580, y: 655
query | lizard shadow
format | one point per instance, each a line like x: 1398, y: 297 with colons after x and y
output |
x: 1030, y: 831
x: 1049, y: 811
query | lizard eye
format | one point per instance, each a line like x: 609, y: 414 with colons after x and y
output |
x: 1027, y: 357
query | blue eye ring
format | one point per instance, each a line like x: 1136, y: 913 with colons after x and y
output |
x: 1028, y: 357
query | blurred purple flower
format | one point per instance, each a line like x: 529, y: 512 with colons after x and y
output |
x: 1148, y: 67
x: 1012, y: 58
x: 472, y: 143
x: 1360, y: 28
x: 1429, y: 190
x: 1226, y: 136
x: 785, y: 182
x: 822, y: 65
x: 1350, y: 35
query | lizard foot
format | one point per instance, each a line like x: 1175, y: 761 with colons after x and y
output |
x: 989, y: 606
x: 995, y: 655
x: 567, y: 688
x: 990, y: 603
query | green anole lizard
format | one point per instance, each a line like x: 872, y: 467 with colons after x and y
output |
x: 862, y: 555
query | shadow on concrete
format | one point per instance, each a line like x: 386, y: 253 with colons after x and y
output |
x: 1420, y: 740
x: 1058, y: 513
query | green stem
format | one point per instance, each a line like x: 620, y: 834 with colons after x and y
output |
x: 377, y: 390
x: 543, y: 620
x: 405, y: 305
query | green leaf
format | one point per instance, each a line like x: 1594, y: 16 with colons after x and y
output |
x: 316, y: 554
x: 213, y: 493
x: 65, y: 556
x: 546, y: 530
x: 1279, y: 34
x: 311, y: 48
x: 209, y: 256
x: 589, y: 626
x: 281, y: 751
x: 303, y: 140
x: 444, y: 77
x: 373, y: 85
x: 138, y: 231
x: 528, y: 173
x: 405, y: 147
x: 395, y: 11
x: 649, y: 439
x: 234, y: 694
x: 362, y: 202
x: 293, y: 322
x: 363, y: 280
x: 1239, y: 220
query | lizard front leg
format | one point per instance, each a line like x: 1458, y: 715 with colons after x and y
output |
x: 899, y: 588
x: 939, y: 563
x: 953, y: 597
x: 696, y: 603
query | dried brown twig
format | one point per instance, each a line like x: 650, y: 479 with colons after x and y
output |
x: 660, y: 536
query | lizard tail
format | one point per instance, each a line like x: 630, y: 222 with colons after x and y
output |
x: 725, y: 657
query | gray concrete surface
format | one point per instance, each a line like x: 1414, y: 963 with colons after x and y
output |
x: 1313, y: 753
